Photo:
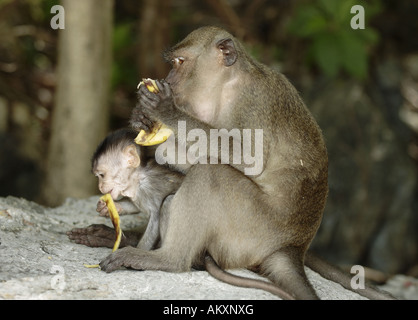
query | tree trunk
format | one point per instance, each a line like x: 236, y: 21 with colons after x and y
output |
x: 153, y: 38
x: 81, y: 104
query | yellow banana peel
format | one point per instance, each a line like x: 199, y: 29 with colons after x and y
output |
x: 114, y: 216
x: 160, y: 132
x: 150, y: 84
x: 92, y: 265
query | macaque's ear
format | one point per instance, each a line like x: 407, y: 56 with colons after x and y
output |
x: 227, y: 47
x: 131, y: 156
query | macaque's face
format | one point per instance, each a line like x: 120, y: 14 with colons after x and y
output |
x: 115, y: 171
x: 200, y: 74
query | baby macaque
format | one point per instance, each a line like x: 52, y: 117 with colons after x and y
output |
x: 135, y: 182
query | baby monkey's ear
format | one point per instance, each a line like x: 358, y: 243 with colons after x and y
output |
x: 131, y: 157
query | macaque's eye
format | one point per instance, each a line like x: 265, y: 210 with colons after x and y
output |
x: 177, y: 61
x: 100, y: 175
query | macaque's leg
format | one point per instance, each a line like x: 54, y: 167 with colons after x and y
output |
x: 286, y: 270
x: 100, y: 235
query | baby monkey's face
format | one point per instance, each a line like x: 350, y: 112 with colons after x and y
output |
x: 115, y: 174
x: 110, y: 179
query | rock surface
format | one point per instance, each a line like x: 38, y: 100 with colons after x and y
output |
x: 38, y: 261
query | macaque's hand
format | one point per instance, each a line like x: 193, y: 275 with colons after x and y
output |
x: 104, y: 211
x: 96, y: 235
x: 155, y: 106
x: 139, y: 121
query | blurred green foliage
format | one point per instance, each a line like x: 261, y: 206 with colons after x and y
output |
x: 334, y: 45
x: 124, y: 71
x: 41, y: 9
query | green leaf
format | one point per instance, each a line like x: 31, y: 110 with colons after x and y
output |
x: 122, y: 36
x: 354, y: 54
x: 343, y: 14
x: 307, y: 22
x: 329, y: 6
x: 326, y: 53
x: 369, y: 36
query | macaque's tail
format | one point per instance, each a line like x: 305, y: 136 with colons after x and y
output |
x: 215, y: 271
x: 334, y: 274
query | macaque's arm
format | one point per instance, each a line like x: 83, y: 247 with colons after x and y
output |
x: 100, y: 235
x: 124, y: 206
x: 161, y: 107
x: 151, y: 235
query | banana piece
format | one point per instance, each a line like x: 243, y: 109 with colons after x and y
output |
x: 150, y: 84
x: 114, y: 216
x: 92, y: 265
x: 160, y: 132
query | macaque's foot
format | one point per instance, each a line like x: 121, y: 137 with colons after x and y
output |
x: 96, y: 235
x: 138, y: 259
x: 127, y: 257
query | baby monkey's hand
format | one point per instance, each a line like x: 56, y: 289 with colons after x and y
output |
x: 103, y: 210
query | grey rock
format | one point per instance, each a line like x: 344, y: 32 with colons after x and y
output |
x: 38, y: 261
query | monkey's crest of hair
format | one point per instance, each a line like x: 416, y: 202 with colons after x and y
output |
x: 119, y: 139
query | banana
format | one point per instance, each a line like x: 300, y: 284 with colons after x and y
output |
x: 160, y: 132
x: 114, y: 216
x: 150, y: 84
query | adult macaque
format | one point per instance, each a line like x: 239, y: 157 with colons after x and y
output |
x: 264, y: 221
x: 136, y: 183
